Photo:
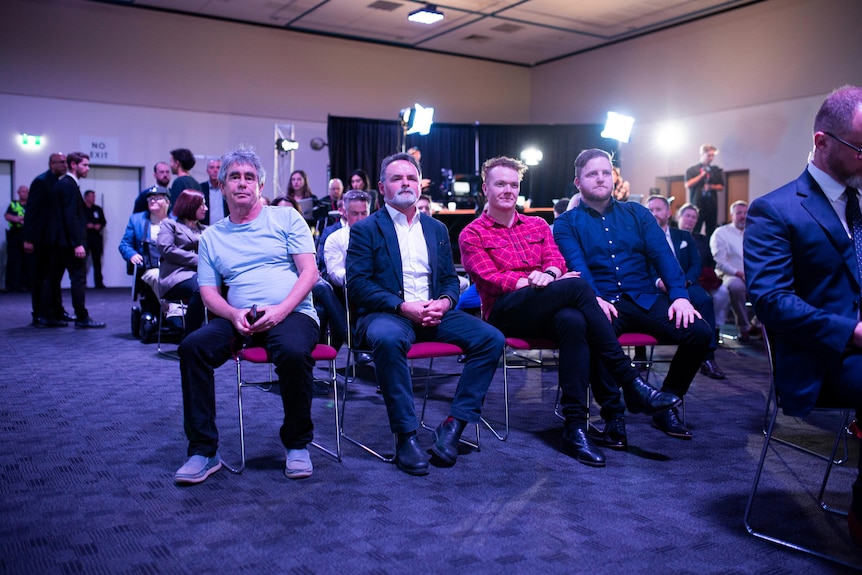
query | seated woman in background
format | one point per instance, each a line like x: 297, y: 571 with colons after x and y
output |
x: 360, y: 181
x: 285, y: 201
x: 178, y: 245
x: 298, y: 188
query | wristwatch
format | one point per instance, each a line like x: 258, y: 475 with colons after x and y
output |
x: 550, y: 273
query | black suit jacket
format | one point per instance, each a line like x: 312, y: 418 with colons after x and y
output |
x: 205, y: 190
x: 41, y: 225
x: 375, y: 277
x: 73, y: 212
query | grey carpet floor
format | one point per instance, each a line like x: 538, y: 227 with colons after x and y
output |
x: 91, y: 434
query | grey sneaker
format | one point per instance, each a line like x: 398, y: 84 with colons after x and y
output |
x: 197, y: 468
x: 298, y: 464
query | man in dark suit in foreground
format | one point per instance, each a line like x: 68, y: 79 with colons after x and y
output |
x: 73, y: 235
x: 803, y: 271
x: 402, y: 283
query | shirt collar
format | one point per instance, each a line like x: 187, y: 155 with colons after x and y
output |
x: 827, y: 183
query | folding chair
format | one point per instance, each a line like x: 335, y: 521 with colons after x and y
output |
x: 512, y: 347
x: 773, y: 406
x: 321, y: 352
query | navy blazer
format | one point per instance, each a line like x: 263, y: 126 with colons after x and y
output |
x: 375, y: 280
x: 800, y: 268
x: 686, y: 254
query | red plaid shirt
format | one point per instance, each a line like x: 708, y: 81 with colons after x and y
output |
x: 496, y: 257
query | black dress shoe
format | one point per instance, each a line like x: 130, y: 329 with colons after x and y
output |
x: 68, y: 318
x: 446, y: 438
x: 577, y: 443
x: 641, y: 397
x: 88, y: 323
x: 409, y: 456
x: 613, y: 436
x: 711, y: 369
x: 668, y: 421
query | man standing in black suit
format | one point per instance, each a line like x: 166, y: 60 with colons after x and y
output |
x: 72, y: 252
x: 40, y: 239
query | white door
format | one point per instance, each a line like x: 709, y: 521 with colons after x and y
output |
x: 116, y: 189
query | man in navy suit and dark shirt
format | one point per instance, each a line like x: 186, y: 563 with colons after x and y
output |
x: 616, y: 246
x: 402, y: 282
x: 684, y: 249
x: 803, y: 262
x: 73, y: 235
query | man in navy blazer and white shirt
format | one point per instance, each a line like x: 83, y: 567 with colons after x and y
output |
x: 401, y: 280
x: 803, y: 271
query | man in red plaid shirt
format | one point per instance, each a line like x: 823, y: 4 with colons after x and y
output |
x: 526, y: 291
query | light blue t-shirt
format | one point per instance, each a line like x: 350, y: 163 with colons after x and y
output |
x: 255, y: 260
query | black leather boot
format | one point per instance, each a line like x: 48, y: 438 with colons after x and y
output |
x: 576, y: 443
x: 641, y: 397
x: 409, y: 456
x: 446, y: 438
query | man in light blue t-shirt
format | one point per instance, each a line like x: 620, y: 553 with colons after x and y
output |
x: 259, y: 259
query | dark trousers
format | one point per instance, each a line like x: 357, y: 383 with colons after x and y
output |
x: 290, y: 344
x: 77, y: 267
x: 95, y: 249
x: 17, y: 262
x: 702, y: 302
x: 45, y: 295
x: 195, y: 310
x: 331, y: 311
x: 390, y: 336
x: 692, y: 342
x: 707, y: 206
x: 567, y: 310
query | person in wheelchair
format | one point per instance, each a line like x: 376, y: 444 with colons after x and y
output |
x: 138, y: 247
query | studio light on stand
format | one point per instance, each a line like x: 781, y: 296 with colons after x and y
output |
x: 415, y: 120
x: 284, y: 145
x: 618, y: 127
x: 427, y: 15
x: 531, y: 156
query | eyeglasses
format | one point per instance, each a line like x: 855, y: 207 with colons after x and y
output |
x: 151, y: 199
x: 846, y: 143
x: 355, y: 196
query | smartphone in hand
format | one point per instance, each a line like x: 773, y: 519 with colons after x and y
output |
x: 253, y: 315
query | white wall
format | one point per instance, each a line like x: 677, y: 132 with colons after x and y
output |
x: 748, y: 81
x: 144, y: 136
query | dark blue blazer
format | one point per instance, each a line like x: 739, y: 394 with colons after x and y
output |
x: 374, y: 271
x: 687, y: 255
x: 802, y: 278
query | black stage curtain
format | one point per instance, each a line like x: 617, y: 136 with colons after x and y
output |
x: 363, y: 143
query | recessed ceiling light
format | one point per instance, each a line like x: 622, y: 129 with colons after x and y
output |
x: 427, y: 15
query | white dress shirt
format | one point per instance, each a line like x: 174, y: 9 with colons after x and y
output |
x: 414, y: 256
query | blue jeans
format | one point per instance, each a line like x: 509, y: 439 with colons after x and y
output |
x: 390, y: 336
x: 290, y: 344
